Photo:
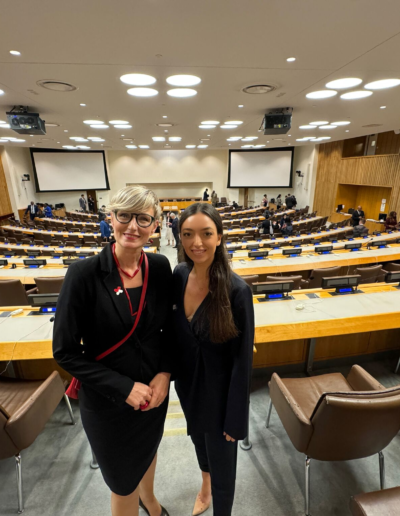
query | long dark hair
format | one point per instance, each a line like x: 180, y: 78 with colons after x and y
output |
x: 217, y: 313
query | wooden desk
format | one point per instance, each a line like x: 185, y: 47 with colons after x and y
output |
x: 238, y: 231
x: 178, y: 205
x: 66, y: 222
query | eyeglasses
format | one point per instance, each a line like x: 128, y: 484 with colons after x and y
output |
x: 142, y: 219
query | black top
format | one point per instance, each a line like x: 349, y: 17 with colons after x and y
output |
x: 90, y: 310
x: 213, y: 380
x: 175, y: 225
x: 206, y: 195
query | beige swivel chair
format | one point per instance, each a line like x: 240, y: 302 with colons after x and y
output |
x: 49, y: 285
x: 12, y: 293
x: 25, y: 408
x: 317, y: 275
x: 332, y: 418
x: 295, y: 279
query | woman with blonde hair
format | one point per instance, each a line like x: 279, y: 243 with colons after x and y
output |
x: 111, y: 334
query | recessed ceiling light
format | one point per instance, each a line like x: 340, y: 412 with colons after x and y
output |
x: 131, y: 146
x: 234, y: 122
x: 158, y: 139
x: 181, y: 92
x: 290, y: 59
x: 144, y: 147
x: 78, y: 138
x: 99, y: 126
x: 230, y: 126
x: 380, y: 85
x: 340, y: 84
x: 164, y: 125
x: 240, y: 105
x: 183, y: 80
x: 343, y: 122
x: 258, y: 146
x: 347, y: 131
x: 302, y: 139
x: 165, y: 131
x: 52, y: 124
x: 202, y: 146
x: 142, y: 92
x: 82, y: 147
x: 307, y: 127
x: 65, y: 130
x: 123, y: 126
x: 118, y: 122
x: 165, y: 116
x: 128, y: 139
x: 322, y: 94
x: 247, y: 146
x: 234, y: 138
x: 258, y: 89
x: 190, y: 146
x: 359, y: 94
x: 90, y: 122
x: 137, y: 79
x: 383, y: 107
x: 96, y: 139
x: 325, y: 137
x: 331, y: 126
x: 319, y: 123
x: 15, y: 52
x: 208, y: 126
x: 58, y: 142
x: 210, y: 122
x: 1, y: 92
x: 83, y: 105
x: 66, y: 147
x: 249, y: 138
x: 174, y: 138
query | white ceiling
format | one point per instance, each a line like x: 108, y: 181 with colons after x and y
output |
x: 229, y: 44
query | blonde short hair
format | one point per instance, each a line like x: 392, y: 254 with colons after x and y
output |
x: 135, y: 199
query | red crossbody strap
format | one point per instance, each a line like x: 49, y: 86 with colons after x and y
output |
x: 139, y: 313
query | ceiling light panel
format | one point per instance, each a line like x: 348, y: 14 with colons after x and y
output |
x: 321, y: 94
x: 142, y: 92
x: 138, y: 79
x: 210, y: 122
x: 383, y: 84
x: 90, y: 122
x: 118, y: 122
x: 343, y: 122
x: 190, y: 146
x: 144, y: 147
x: 234, y: 122
x: 328, y: 127
x: 291, y: 59
x: 207, y: 126
x: 319, y: 123
x: 131, y: 146
x: 231, y: 126
x: 202, y: 146
x: 181, y: 92
x: 1, y: 92
x: 158, y: 139
x: 341, y: 84
x: 234, y: 138
x: 15, y: 52
x: 183, y: 80
x: 307, y: 127
x: 353, y: 95
x: 99, y: 126
x: 175, y: 139
x: 123, y: 126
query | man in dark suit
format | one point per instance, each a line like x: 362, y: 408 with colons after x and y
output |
x: 206, y: 195
x: 289, y: 202
x: 175, y: 229
x: 33, y: 210
x: 357, y: 215
x: 360, y: 229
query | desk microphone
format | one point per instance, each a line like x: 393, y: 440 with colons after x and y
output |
x: 52, y: 318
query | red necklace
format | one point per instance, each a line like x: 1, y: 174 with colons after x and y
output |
x: 122, y: 270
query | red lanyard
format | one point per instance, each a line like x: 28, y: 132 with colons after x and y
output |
x: 121, y: 269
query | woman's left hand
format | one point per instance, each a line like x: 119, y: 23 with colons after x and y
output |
x: 160, y: 386
x: 229, y: 438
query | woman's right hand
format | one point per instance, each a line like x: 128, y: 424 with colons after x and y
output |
x: 139, y: 395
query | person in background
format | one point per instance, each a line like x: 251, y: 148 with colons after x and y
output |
x: 264, y: 201
x: 48, y: 211
x: 102, y: 211
x: 33, y: 211
x: 276, y: 227
x: 279, y: 201
x: 284, y: 220
x: 214, y: 198
x: 206, y: 195
x: 391, y: 221
x: 82, y: 202
x: 213, y: 319
x: 360, y: 229
x: 105, y: 229
x: 91, y: 203
x: 235, y: 205
x: 168, y: 224
x: 357, y: 215
x: 287, y: 228
x: 289, y: 202
x: 294, y: 201
x: 267, y: 213
x: 175, y: 229
x: 266, y: 227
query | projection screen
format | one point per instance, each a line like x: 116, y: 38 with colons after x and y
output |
x: 62, y: 171
x: 270, y: 168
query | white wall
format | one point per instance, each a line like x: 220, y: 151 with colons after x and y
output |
x: 174, y: 190
x: 174, y: 166
x: 305, y: 159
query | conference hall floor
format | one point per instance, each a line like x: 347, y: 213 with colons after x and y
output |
x: 270, y: 480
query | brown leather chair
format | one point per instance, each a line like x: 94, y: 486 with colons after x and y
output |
x: 251, y: 279
x: 296, y: 280
x: 25, y: 408
x: 332, y: 418
x: 316, y: 276
x: 369, y: 274
x: 12, y: 293
x: 392, y: 267
x: 49, y: 285
x: 378, y: 503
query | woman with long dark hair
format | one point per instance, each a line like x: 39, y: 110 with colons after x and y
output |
x: 214, y: 328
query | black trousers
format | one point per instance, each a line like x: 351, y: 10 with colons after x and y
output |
x: 218, y: 457
x: 176, y: 236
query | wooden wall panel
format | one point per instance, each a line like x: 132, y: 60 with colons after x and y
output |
x: 347, y: 195
x: 382, y: 171
x: 388, y: 143
x: 5, y: 203
x: 370, y: 198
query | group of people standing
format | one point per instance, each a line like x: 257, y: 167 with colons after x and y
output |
x: 290, y: 201
x: 195, y: 325
x: 86, y: 204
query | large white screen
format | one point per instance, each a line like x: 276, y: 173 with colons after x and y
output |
x: 66, y: 171
x: 257, y: 169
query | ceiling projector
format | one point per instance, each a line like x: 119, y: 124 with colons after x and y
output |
x: 277, y: 121
x: 22, y: 121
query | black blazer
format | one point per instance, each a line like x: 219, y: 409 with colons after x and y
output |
x: 28, y: 209
x: 213, y: 380
x: 91, y: 318
x: 356, y: 216
x: 175, y: 225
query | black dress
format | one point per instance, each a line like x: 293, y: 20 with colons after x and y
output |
x: 124, y: 441
x: 213, y: 380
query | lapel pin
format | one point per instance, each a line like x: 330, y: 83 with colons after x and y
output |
x: 118, y: 291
